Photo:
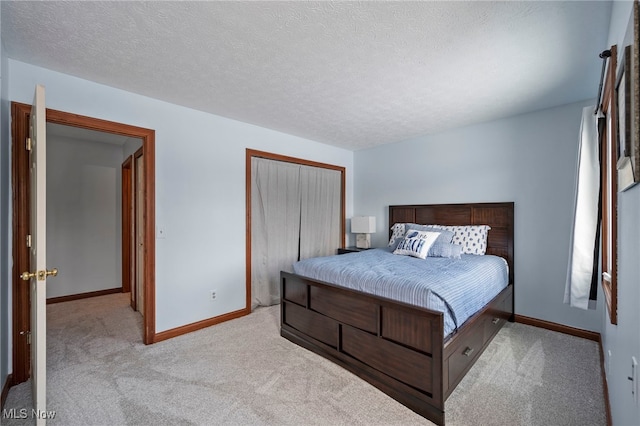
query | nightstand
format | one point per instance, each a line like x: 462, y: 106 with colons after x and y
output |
x: 351, y: 249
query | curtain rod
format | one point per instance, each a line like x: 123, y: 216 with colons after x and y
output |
x: 604, y: 55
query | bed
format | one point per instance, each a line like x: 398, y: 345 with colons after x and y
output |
x: 400, y: 348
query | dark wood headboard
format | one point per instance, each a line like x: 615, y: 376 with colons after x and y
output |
x: 499, y: 216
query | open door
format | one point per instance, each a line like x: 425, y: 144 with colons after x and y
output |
x: 37, y: 241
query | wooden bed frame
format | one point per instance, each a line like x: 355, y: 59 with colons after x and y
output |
x: 397, y: 347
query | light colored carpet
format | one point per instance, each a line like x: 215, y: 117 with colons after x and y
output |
x: 242, y: 372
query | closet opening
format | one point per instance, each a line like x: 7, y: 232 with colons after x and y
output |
x: 295, y: 209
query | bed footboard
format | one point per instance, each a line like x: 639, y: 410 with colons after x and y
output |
x: 394, y: 346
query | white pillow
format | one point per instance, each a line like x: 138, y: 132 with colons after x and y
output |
x: 416, y: 243
x: 472, y: 238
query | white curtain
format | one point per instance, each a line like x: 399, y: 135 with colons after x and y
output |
x: 320, y: 211
x: 295, y: 214
x: 582, y: 276
x: 275, y: 226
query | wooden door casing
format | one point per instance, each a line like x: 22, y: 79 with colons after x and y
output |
x: 20, y: 114
x: 126, y: 224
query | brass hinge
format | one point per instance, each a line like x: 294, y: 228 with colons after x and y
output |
x: 29, y: 241
x: 28, y: 144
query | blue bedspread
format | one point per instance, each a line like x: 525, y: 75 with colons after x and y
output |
x: 457, y: 287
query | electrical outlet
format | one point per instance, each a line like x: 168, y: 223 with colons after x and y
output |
x: 213, y: 294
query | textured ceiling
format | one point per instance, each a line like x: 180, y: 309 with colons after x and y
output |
x: 350, y: 74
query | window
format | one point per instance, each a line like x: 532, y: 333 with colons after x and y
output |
x: 608, y: 156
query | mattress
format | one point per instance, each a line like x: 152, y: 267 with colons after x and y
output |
x: 457, y: 287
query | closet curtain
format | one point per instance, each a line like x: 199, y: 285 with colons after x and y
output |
x: 295, y: 214
x: 321, y: 202
x: 581, y: 287
x: 275, y: 226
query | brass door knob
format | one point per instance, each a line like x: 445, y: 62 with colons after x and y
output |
x: 26, y: 276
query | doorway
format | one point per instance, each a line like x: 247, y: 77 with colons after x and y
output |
x: 84, y: 214
x: 20, y: 224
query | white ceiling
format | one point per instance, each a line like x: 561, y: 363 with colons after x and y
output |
x: 350, y: 74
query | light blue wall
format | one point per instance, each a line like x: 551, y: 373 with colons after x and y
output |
x: 5, y: 247
x: 200, y: 187
x: 528, y: 159
x: 623, y: 340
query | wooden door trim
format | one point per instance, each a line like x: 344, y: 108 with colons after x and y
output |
x: 126, y: 172
x: 134, y: 221
x: 20, y: 218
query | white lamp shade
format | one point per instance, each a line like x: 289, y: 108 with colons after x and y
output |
x: 363, y: 224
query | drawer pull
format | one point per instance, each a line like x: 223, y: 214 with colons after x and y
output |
x: 468, y: 351
x: 495, y: 320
